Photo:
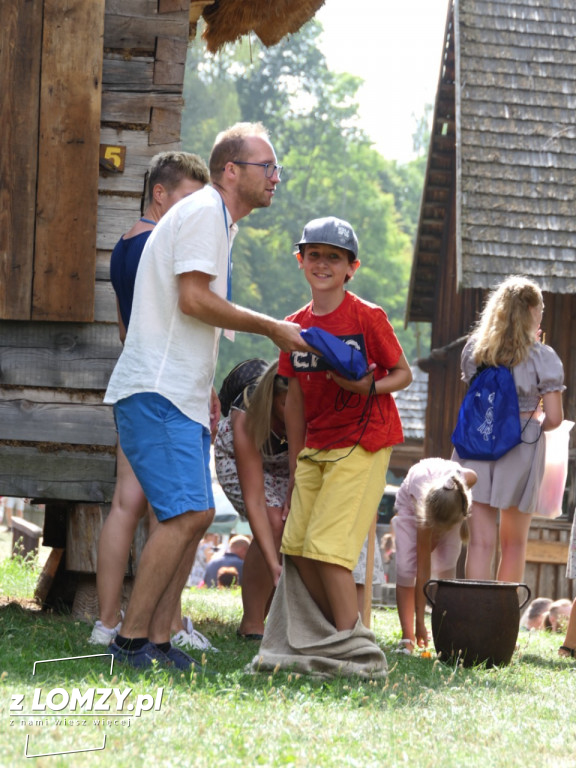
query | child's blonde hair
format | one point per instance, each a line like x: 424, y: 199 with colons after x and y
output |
x: 505, y: 331
x: 444, y: 506
x: 259, y: 411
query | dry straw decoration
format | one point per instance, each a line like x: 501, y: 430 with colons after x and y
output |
x: 271, y: 20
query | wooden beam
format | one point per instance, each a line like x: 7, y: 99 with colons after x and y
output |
x: 539, y: 551
x: 50, y: 472
x: 63, y: 355
x: 20, y: 47
x: 59, y: 423
x: 68, y: 157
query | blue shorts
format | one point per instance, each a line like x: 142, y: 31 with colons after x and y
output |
x: 169, y: 453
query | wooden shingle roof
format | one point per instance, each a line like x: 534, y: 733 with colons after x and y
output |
x: 514, y: 155
x: 411, y: 403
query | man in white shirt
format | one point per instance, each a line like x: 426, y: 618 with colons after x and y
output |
x: 161, y: 387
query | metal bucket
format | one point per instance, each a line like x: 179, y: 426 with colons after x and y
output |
x: 476, y: 622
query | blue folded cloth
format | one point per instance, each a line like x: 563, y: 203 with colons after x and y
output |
x: 344, y: 358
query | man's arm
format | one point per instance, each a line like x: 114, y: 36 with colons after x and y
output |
x: 197, y: 300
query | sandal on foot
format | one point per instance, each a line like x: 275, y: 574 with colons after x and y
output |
x: 405, y: 646
x: 567, y: 652
x: 249, y: 635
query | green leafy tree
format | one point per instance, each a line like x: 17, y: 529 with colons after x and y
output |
x: 330, y: 169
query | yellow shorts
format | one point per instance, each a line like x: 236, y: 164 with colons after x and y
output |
x: 334, y: 503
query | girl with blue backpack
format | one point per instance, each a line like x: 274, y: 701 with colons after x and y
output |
x: 508, y: 334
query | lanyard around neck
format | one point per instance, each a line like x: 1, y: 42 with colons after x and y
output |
x: 229, y: 278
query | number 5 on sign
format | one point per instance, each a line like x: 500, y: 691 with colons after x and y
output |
x: 112, y: 158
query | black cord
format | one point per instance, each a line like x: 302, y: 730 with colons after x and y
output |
x: 343, y: 401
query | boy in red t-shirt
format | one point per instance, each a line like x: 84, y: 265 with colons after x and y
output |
x: 340, y: 432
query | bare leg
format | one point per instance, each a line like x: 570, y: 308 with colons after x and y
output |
x: 332, y: 588
x: 257, y: 585
x: 340, y: 590
x: 360, y: 592
x: 482, y: 545
x: 159, y: 563
x: 406, y: 603
x: 570, y: 639
x: 176, y: 623
x: 169, y: 611
x: 128, y: 507
x: 514, y: 527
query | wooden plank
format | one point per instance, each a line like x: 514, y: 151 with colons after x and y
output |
x: 56, y: 396
x: 48, y: 574
x: 164, y: 126
x: 63, y: 474
x: 135, y: 108
x: 516, y: 137
x: 138, y: 156
x: 554, y: 552
x: 116, y: 214
x: 68, y: 160
x: 75, y: 356
x: 170, y: 61
x: 137, y: 73
x: 67, y: 424
x: 105, y: 303
x: 103, y: 265
x: 136, y: 25
x: 563, y: 227
x: 20, y: 46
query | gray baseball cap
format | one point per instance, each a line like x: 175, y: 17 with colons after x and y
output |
x: 330, y: 231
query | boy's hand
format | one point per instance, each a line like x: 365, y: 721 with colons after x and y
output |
x: 360, y: 387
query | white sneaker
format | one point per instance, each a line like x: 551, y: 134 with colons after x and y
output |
x: 191, y: 638
x: 102, y: 635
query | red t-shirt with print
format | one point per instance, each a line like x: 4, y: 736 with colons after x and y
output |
x: 336, y: 418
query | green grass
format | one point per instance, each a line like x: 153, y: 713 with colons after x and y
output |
x: 424, y: 714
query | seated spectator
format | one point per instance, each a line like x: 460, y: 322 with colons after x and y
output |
x: 227, y: 576
x: 232, y: 558
x: 556, y: 620
x: 533, y: 616
x: 544, y: 613
x: 206, y: 550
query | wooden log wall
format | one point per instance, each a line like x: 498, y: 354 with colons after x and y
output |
x: 546, y: 556
x: 57, y: 439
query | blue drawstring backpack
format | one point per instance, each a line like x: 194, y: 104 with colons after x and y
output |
x: 488, y: 423
x: 346, y: 360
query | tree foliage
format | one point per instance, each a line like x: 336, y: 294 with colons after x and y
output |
x: 330, y: 168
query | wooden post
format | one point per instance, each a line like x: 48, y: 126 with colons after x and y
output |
x: 48, y: 575
x: 367, y: 608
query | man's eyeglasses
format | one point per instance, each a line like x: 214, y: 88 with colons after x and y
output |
x: 269, y: 168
